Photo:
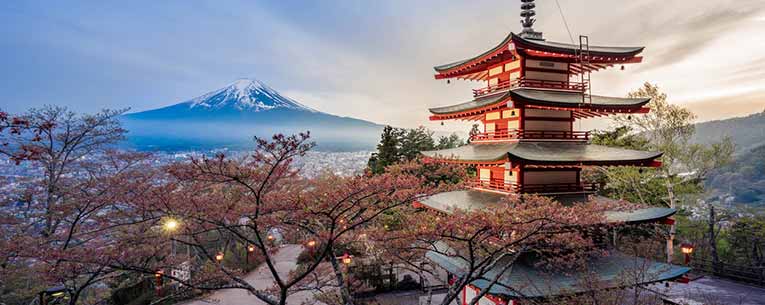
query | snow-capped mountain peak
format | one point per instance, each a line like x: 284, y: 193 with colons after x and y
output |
x: 246, y: 95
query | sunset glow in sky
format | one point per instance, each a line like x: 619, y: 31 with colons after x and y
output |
x: 367, y: 59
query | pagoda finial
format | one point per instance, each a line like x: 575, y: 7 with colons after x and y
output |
x: 527, y: 11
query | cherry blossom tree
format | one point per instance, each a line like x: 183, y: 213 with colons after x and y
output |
x: 247, y: 201
x: 55, y: 224
x: 487, y: 239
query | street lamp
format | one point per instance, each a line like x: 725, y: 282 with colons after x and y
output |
x: 158, y: 275
x: 219, y: 256
x: 311, y: 243
x: 250, y: 250
x: 171, y: 224
x: 687, y: 250
x: 347, y: 259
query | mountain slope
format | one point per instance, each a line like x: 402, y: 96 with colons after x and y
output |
x: 230, y: 116
x: 747, y: 132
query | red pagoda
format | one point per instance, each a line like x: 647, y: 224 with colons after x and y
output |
x: 533, y: 92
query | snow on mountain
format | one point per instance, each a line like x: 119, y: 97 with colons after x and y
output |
x: 246, y: 94
x: 229, y: 117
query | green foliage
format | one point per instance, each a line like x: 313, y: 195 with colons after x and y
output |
x: 399, y: 144
x: 622, y: 136
x: 666, y: 128
x: 451, y: 141
x: 387, y: 151
x: 413, y: 141
x: 744, y: 178
x: 748, y: 236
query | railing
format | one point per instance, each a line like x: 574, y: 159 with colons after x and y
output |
x: 559, y: 187
x: 531, y: 83
x: 500, y: 185
x: 511, y: 134
x: 494, y: 184
x: 749, y: 274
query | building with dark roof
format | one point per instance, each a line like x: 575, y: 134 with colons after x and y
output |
x: 533, y: 91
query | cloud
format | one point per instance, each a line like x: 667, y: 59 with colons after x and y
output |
x: 677, y: 30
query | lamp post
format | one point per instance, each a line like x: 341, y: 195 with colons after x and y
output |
x: 219, y: 257
x: 158, y: 276
x: 687, y: 250
x: 250, y: 250
x: 347, y: 260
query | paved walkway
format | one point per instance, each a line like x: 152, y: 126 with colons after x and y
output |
x: 285, y: 261
x: 713, y: 290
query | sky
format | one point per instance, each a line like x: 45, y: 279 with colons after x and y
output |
x: 366, y: 59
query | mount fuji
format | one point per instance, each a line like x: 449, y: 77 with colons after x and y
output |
x: 229, y: 117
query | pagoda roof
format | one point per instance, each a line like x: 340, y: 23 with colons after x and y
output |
x: 572, y: 49
x: 541, y: 98
x: 526, y: 280
x: 601, y: 56
x: 502, y: 46
x: 469, y: 200
x: 576, y: 153
x: 482, y: 101
x: 573, y: 99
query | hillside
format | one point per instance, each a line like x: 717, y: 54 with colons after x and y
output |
x: 747, y: 132
x: 744, y: 178
x: 229, y: 117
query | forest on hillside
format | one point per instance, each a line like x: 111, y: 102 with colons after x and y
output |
x: 744, y: 178
x: 746, y: 132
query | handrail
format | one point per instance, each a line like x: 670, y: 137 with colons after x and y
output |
x: 501, y: 185
x: 531, y: 83
x: 508, y: 134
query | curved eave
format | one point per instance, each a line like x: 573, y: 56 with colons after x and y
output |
x: 571, y: 49
x: 646, y: 215
x: 472, y: 153
x: 467, y: 66
x: 533, y: 153
x: 470, y: 108
x: 569, y: 99
x: 541, y: 153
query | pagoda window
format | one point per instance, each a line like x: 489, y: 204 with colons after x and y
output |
x: 484, y: 174
x: 490, y: 127
x: 495, y: 70
x: 514, y: 124
x: 515, y: 75
x: 513, y: 65
x: 492, y: 116
x: 550, y: 177
x: 512, y: 113
x: 510, y: 177
x: 548, y: 65
x: 493, y: 81
x: 543, y: 125
x: 546, y: 113
x: 551, y: 76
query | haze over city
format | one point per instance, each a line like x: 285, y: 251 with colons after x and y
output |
x: 369, y: 60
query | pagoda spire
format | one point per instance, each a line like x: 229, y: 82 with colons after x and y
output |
x: 527, y: 12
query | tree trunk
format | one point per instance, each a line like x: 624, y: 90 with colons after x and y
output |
x: 671, y: 238
x: 713, y: 239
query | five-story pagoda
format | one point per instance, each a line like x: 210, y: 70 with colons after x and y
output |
x: 534, y: 91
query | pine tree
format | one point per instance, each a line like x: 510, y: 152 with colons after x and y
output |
x: 387, y: 151
x: 413, y: 141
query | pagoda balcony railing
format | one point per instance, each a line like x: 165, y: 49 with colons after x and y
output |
x: 512, y: 134
x: 531, y: 83
x: 513, y: 187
